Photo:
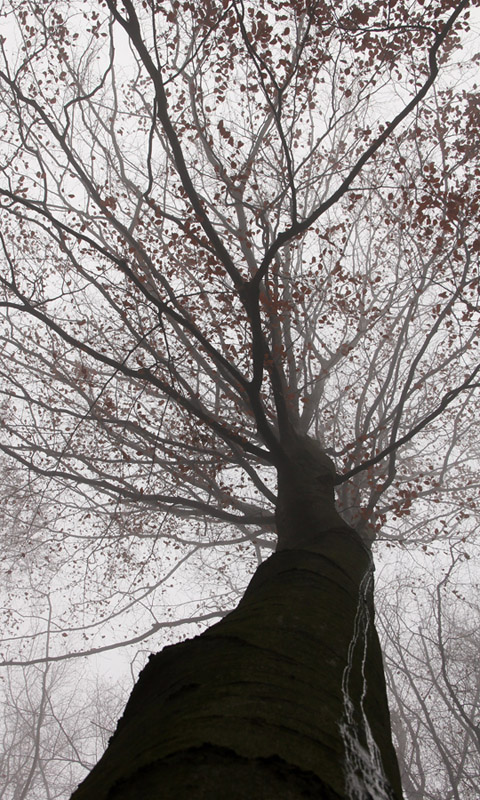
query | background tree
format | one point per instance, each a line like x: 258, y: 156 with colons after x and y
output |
x: 216, y: 242
x: 47, y: 717
x: 431, y: 635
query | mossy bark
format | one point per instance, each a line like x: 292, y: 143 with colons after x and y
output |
x: 284, y: 698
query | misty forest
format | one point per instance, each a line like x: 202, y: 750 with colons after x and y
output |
x: 240, y: 399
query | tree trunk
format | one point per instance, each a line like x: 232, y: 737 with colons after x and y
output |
x: 283, y: 698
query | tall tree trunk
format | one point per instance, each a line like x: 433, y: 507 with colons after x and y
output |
x: 285, y: 697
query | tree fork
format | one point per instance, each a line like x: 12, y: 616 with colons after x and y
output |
x: 284, y: 697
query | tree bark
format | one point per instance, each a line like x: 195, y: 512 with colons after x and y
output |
x: 283, y: 698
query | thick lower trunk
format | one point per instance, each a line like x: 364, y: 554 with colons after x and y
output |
x: 284, y: 698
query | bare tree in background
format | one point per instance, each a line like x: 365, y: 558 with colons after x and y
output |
x: 46, y: 722
x: 240, y: 268
x: 431, y: 640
